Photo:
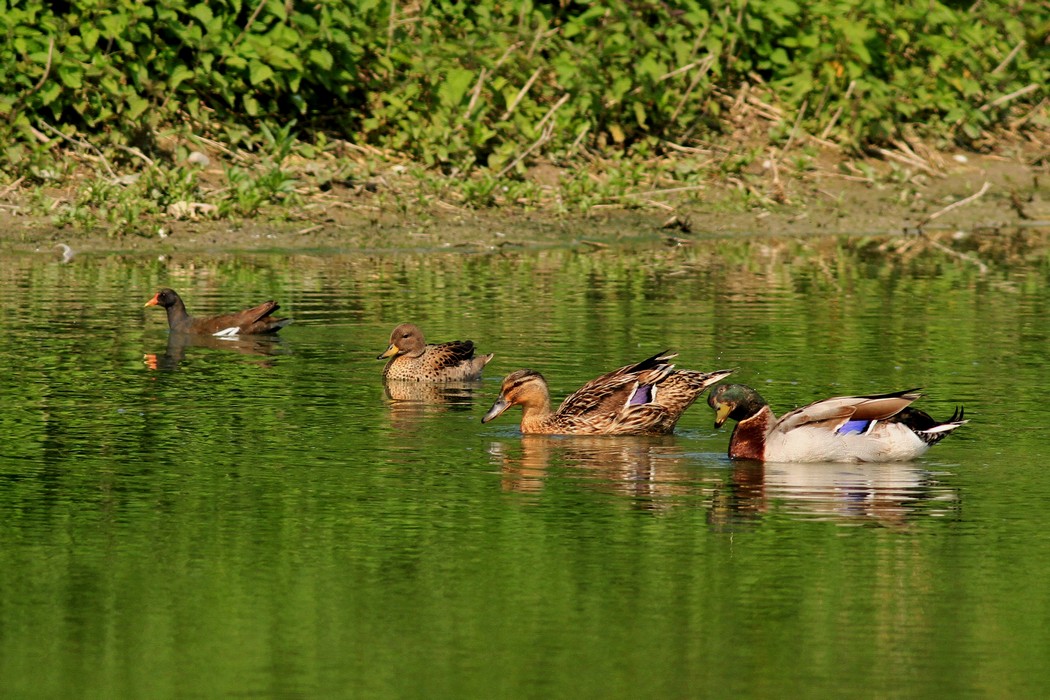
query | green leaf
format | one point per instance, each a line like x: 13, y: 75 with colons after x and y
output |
x: 278, y: 9
x: 89, y: 34
x: 202, y: 13
x: 136, y: 106
x: 620, y: 86
x: 180, y: 74
x: 251, y: 106
x: 455, y: 85
x: 50, y: 92
x: 321, y: 58
x: 71, y: 76
x: 639, y: 113
x: 259, y: 72
x: 113, y: 25
x: 281, y: 59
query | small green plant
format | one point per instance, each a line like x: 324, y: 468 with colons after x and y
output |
x: 249, y: 191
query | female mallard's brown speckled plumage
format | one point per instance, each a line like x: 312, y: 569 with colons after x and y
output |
x: 412, y: 359
x: 879, y: 428
x: 646, y: 398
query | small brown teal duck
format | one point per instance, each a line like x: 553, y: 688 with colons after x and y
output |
x: 646, y: 398
x: 412, y: 359
x: 254, y: 321
x: 878, y: 428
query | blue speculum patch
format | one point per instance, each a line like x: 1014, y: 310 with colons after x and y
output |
x: 642, y: 395
x: 854, y: 426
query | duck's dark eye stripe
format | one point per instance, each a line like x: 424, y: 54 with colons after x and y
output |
x: 524, y: 379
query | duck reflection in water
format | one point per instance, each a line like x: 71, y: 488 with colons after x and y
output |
x: 890, y: 494
x: 410, y: 401
x: 179, y: 343
x: 652, y: 471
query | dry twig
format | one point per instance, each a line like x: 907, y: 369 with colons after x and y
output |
x: 548, y: 132
x: 959, y: 254
x: 908, y: 159
x: 83, y: 144
x: 703, y: 67
x: 521, y: 94
x: 251, y: 21
x: 47, y: 68
x: 954, y: 205
x: 798, y: 122
x: 838, y: 112
x: 670, y: 190
x: 1006, y: 98
x: 476, y: 92
x: 137, y: 153
x: 11, y: 187
x: 1009, y: 57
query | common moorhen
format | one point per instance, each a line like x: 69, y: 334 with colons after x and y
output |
x: 255, y: 321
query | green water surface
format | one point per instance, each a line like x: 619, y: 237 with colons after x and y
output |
x: 262, y: 519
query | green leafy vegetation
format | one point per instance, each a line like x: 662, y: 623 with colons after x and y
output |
x: 479, y: 93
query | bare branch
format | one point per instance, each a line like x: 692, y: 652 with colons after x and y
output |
x: 1006, y: 98
x: 521, y: 94
x: 955, y: 205
x: 251, y: 21
x: 1009, y: 57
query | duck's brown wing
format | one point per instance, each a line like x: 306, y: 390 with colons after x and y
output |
x: 612, y: 390
x: 450, y: 354
x: 607, y: 396
x: 832, y: 412
x: 683, y: 386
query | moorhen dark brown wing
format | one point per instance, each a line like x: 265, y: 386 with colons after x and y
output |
x: 255, y: 321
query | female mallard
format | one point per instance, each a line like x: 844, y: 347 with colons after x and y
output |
x: 881, y: 428
x: 647, y: 398
x: 411, y: 358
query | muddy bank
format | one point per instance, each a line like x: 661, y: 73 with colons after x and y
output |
x: 974, y: 194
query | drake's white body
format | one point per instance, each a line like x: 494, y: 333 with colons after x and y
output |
x: 880, y: 428
x: 885, y: 442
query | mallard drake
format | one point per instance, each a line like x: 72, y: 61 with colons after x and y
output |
x: 411, y: 358
x: 254, y: 321
x: 879, y: 428
x: 646, y: 398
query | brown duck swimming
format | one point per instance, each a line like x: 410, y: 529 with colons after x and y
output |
x: 254, y: 321
x: 646, y: 398
x: 412, y: 359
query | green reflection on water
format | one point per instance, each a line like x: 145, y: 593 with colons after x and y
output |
x: 217, y: 518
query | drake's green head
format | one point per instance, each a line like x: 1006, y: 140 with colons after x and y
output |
x: 736, y: 401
